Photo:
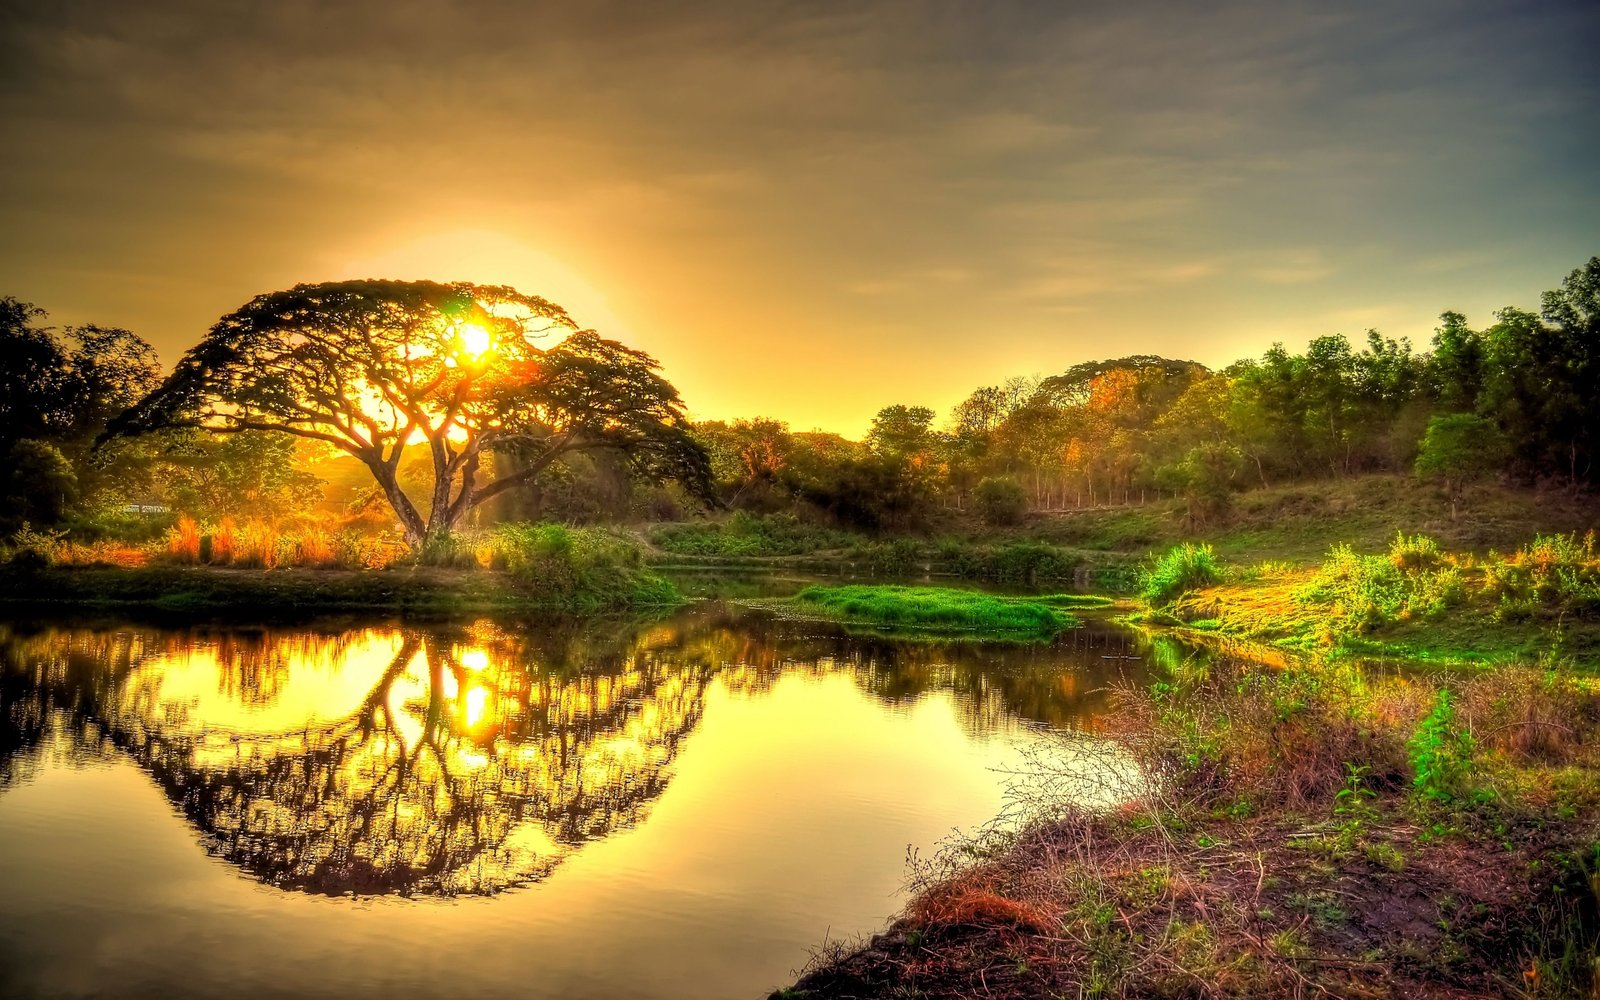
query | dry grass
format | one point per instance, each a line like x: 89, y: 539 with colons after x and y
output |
x: 1278, y: 849
x: 183, y: 542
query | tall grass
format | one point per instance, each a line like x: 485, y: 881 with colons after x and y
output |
x: 1183, y: 568
x: 580, y: 568
x: 183, y: 542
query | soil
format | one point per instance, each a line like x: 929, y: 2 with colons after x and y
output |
x: 1255, y: 907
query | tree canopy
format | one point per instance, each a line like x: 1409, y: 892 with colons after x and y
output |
x: 373, y: 367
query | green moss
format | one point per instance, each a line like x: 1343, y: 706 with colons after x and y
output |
x: 940, y: 609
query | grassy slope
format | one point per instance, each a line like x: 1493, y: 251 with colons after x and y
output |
x: 1299, y: 523
x: 1295, y: 524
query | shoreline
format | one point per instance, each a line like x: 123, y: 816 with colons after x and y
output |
x: 291, y: 593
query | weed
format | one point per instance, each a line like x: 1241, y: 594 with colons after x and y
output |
x: 1439, y: 754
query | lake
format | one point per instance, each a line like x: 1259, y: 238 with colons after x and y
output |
x: 679, y: 808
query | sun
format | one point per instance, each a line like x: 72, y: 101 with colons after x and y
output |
x: 474, y: 339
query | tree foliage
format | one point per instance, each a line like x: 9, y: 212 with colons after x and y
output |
x: 372, y: 368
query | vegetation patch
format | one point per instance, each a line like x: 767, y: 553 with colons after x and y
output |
x: 746, y: 535
x: 256, y: 568
x: 1416, y: 601
x: 1184, y: 568
x: 940, y: 609
x: 1305, y: 832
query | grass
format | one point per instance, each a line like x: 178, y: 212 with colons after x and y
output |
x: 1184, y: 568
x: 940, y: 609
x: 256, y: 568
x: 1311, y: 831
x: 746, y: 536
x: 1416, y: 600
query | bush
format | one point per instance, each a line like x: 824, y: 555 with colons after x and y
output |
x: 1000, y: 501
x: 1414, y: 581
x: 1184, y: 568
x: 583, y: 569
x: 1440, y: 753
x: 1554, y: 574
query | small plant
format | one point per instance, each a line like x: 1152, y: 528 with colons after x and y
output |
x: 1354, y: 800
x: 1439, y: 754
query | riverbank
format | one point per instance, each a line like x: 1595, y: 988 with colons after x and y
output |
x: 1327, y: 812
x: 297, y: 593
x: 1412, y: 601
x: 1312, y: 831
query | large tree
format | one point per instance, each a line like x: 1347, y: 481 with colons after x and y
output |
x: 374, y: 367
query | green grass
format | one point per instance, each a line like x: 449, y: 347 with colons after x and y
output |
x: 941, y: 608
x: 745, y: 536
x: 1184, y: 568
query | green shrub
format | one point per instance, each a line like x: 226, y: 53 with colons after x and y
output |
x: 1556, y: 574
x: 1414, y: 581
x: 1184, y: 568
x: 582, y: 569
x: 1000, y: 501
x: 1440, y: 755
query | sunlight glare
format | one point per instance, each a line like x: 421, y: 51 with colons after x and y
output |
x: 475, y: 340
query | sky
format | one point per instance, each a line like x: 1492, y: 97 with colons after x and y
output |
x: 809, y: 211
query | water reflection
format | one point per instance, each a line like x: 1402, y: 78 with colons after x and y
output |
x: 442, y: 761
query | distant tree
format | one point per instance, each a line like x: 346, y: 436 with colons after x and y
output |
x: 374, y: 367
x: 1459, y: 448
x: 58, y: 390
x: 1205, y: 477
x: 1000, y: 501
x: 902, y: 432
x: 40, y: 484
x: 1573, y: 312
x: 1530, y: 391
x: 1455, y: 368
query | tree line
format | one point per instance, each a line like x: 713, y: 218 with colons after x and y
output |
x: 449, y: 396
x: 1520, y: 397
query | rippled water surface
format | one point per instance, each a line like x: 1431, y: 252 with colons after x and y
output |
x: 682, y: 808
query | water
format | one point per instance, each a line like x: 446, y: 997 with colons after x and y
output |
x: 677, y: 809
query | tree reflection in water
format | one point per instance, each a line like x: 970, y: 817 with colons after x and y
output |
x: 465, y: 760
